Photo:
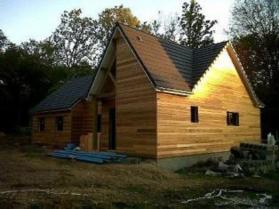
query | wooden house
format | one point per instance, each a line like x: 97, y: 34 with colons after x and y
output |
x: 158, y: 99
x: 64, y: 115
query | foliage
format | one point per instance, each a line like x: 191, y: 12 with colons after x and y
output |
x: 255, y: 29
x: 196, y: 31
x: 110, y: 16
x: 43, y: 49
x: 75, y: 39
x: 4, y: 42
x: 34, y: 69
x: 172, y: 28
x: 166, y: 27
x: 24, y: 82
x: 25, y: 79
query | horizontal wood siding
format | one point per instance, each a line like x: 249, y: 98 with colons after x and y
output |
x: 50, y: 136
x: 220, y: 90
x: 135, y: 106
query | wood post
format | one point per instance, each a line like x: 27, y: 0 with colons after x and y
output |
x: 94, y: 128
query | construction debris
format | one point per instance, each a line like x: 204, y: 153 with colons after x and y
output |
x: 223, y: 169
x: 90, y: 157
x: 45, y: 191
x: 223, y: 198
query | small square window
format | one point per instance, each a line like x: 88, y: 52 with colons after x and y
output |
x: 41, y: 124
x: 59, y: 123
x: 194, y: 114
x: 232, y: 118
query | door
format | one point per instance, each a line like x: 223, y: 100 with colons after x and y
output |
x: 112, y: 139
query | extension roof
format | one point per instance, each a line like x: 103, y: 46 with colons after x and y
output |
x: 66, y: 96
x: 170, y: 67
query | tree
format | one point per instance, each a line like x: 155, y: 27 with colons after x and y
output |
x: 171, y: 29
x: 45, y: 50
x: 3, y: 41
x: 255, y: 31
x: 254, y: 28
x: 166, y: 27
x: 110, y: 16
x: 196, y: 31
x: 75, y: 39
x: 24, y: 82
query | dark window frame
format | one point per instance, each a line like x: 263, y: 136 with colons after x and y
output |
x: 194, y: 110
x: 42, y: 124
x: 232, y: 118
x: 59, y: 123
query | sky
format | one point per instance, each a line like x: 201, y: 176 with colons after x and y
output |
x: 21, y: 20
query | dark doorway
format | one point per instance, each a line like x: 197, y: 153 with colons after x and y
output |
x: 112, y: 140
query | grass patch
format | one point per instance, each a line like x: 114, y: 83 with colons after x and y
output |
x: 111, y: 185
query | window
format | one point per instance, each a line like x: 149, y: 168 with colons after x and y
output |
x: 232, y: 118
x: 41, y: 124
x: 59, y: 123
x: 194, y: 114
x: 99, y: 126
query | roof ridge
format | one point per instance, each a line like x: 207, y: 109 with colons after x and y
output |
x: 214, y: 44
x: 163, y: 39
x: 167, y: 40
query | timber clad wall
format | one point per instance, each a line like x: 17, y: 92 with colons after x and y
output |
x: 155, y: 124
x: 135, y: 106
x: 219, y: 91
x: 50, y: 136
x: 82, y: 120
x: 78, y: 121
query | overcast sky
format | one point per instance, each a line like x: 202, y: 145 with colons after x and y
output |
x: 24, y: 19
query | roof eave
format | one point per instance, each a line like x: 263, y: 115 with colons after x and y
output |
x: 257, y: 102
x: 51, y: 111
x: 173, y: 91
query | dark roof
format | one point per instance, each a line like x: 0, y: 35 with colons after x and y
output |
x: 170, y: 65
x: 175, y: 68
x: 203, y: 58
x: 66, y: 96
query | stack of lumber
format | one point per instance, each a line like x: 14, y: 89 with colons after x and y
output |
x: 86, y: 142
x: 90, y: 157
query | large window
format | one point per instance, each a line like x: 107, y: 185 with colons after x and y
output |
x: 59, y: 123
x: 194, y: 114
x: 41, y: 124
x: 232, y: 118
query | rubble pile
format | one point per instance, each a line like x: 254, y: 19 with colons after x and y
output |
x: 247, y: 159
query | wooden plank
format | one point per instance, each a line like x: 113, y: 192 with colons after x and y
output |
x: 220, y: 90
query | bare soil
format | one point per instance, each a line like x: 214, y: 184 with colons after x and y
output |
x: 43, y: 182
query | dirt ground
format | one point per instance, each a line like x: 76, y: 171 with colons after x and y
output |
x: 42, y: 182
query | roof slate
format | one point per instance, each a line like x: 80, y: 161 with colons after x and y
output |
x: 167, y: 64
x: 66, y: 96
x: 170, y: 65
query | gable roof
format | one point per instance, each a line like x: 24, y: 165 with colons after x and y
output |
x: 203, y: 58
x: 66, y: 96
x: 170, y: 67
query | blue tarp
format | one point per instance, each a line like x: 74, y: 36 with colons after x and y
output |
x: 92, y: 157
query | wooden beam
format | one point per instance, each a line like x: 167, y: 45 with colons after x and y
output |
x: 106, y: 95
x: 95, y: 121
x: 112, y: 78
